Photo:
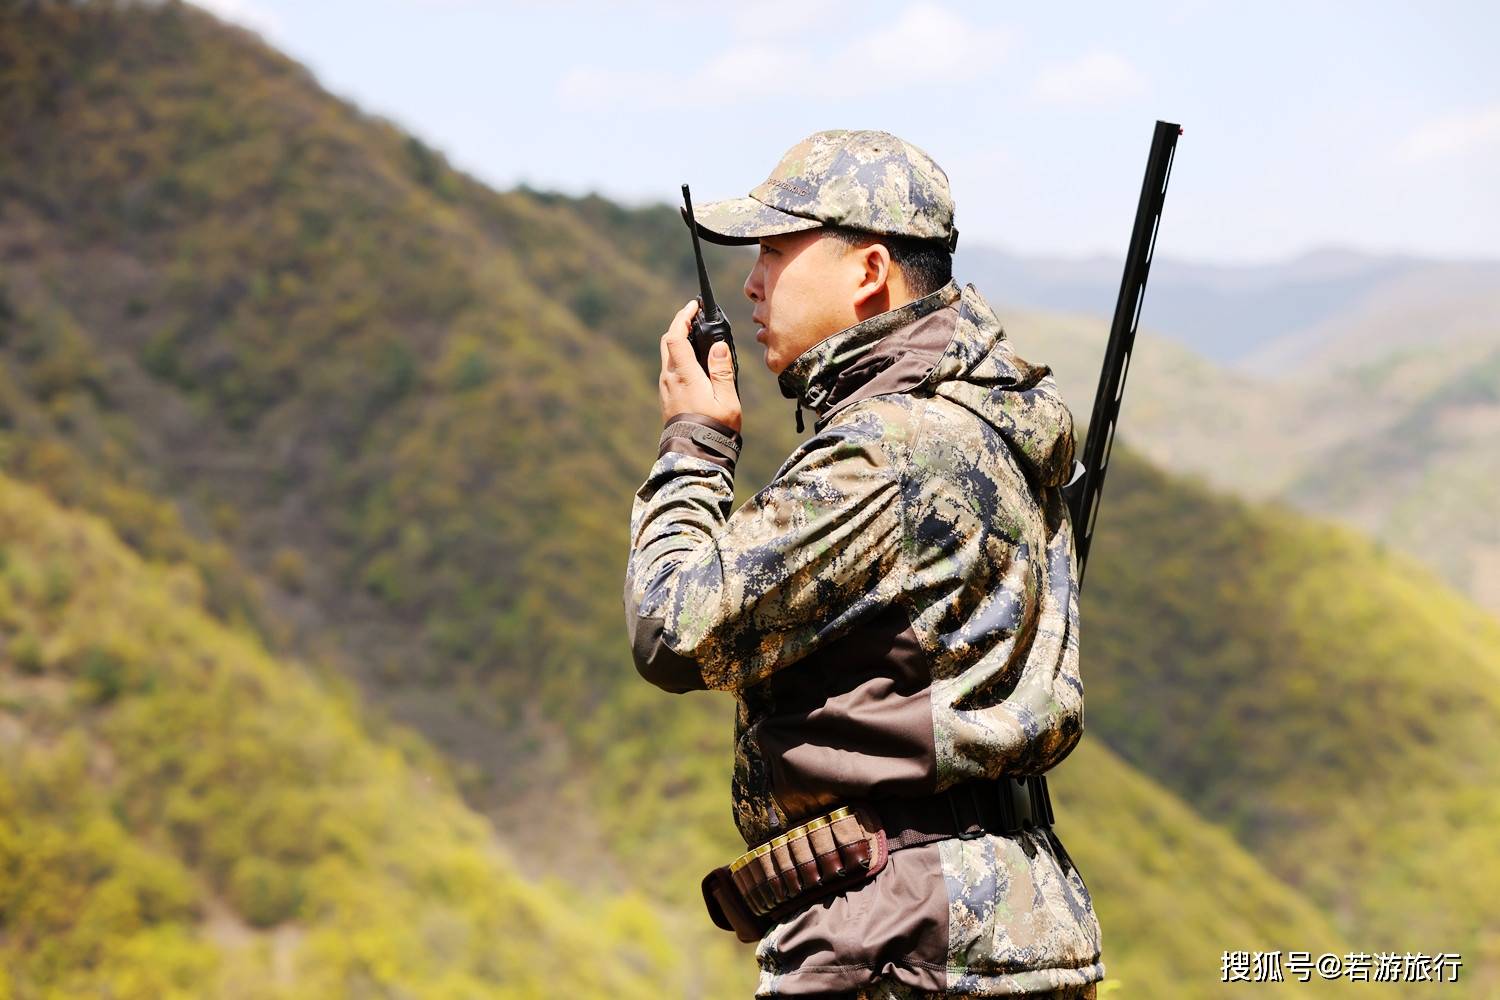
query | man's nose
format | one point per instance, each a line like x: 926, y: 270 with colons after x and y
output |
x: 752, y: 284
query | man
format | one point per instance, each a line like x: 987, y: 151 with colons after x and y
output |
x: 895, y: 612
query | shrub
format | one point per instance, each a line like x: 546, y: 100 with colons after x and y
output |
x: 263, y: 892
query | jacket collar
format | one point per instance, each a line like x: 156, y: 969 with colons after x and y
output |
x: 820, y: 377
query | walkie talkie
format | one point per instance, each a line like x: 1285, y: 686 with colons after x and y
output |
x: 710, y: 325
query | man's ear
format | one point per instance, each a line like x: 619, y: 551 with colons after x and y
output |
x: 875, y: 261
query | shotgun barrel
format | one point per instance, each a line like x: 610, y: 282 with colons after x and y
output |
x: 1087, y: 483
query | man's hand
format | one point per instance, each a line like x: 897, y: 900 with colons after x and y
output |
x: 685, y: 387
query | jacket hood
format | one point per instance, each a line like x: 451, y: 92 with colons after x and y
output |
x: 949, y: 344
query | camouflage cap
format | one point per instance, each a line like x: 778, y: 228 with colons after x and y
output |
x: 870, y: 181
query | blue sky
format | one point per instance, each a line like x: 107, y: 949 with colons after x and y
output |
x: 1372, y: 126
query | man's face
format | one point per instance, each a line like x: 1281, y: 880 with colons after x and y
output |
x: 799, y: 287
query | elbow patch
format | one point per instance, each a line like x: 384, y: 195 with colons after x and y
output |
x: 656, y: 661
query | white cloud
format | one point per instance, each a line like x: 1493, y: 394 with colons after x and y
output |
x: 926, y: 44
x: 247, y: 14
x: 1093, y: 78
x: 1452, y: 135
x: 771, y: 18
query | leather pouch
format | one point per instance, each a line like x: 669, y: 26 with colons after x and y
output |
x: 727, y: 909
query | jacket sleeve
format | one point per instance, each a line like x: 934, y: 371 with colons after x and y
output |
x: 720, y: 602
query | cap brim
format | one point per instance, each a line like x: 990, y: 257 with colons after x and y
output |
x: 738, y: 221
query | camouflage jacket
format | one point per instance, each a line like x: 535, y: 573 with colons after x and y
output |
x: 894, y: 612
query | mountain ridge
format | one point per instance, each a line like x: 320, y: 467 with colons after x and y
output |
x: 1276, y: 320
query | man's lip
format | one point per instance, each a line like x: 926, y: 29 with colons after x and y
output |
x: 760, y: 331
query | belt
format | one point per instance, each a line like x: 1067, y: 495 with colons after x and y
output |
x: 851, y: 844
x: 968, y: 810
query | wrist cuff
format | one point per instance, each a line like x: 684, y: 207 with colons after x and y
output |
x: 702, y: 437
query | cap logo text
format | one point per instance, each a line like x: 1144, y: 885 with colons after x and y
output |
x: 794, y: 187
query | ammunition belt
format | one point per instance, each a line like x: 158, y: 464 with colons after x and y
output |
x: 851, y: 844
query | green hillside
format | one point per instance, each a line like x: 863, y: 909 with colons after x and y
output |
x: 393, y: 421
x: 1174, y: 892
x: 1332, y: 704
x: 364, y: 374
x: 181, y: 815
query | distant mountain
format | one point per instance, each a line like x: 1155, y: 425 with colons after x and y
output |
x: 1400, y: 444
x: 1322, y: 308
x: 1427, y: 306
x: 393, y: 421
